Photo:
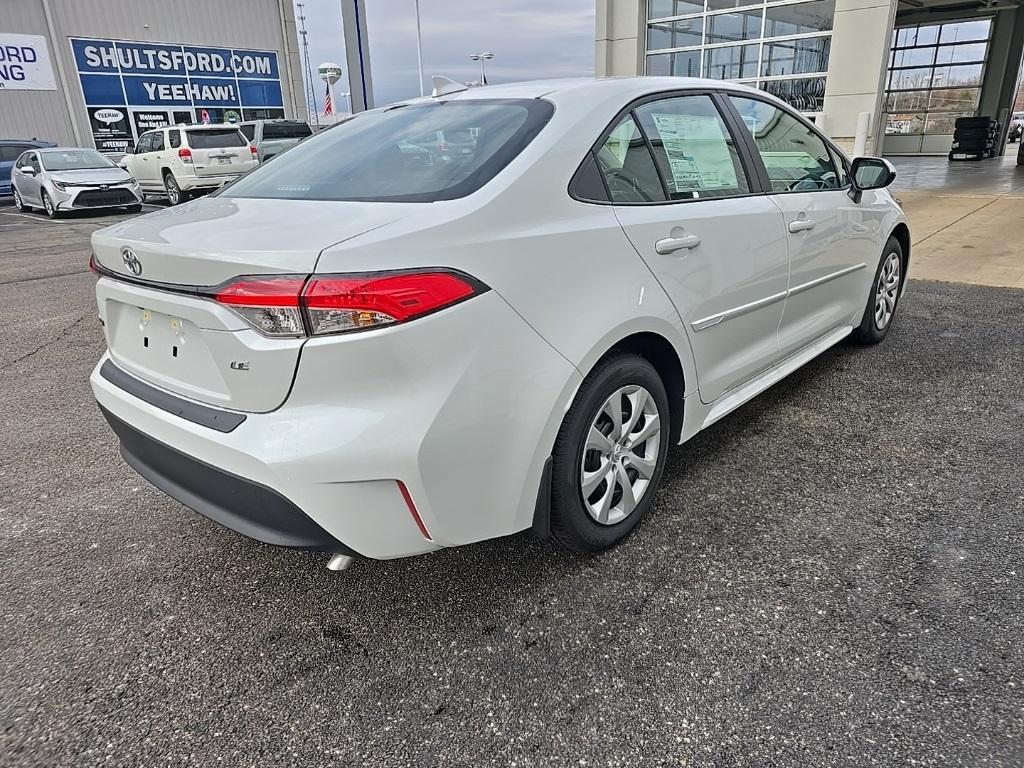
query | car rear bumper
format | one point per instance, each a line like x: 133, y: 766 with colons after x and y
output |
x: 242, y: 505
x: 394, y: 442
x: 187, y: 183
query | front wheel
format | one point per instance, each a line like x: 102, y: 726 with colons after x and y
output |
x: 884, y: 296
x: 609, y: 454
x: 49, y: 207
x: 19, y: 203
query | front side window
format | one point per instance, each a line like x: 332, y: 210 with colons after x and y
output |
x: 796, y: 158
x: 31, y: 161
x: 158, y: 142
x: 628, y: 169
x: 74, y: 160
x: 408, y: 153
x: 10, y: 152
x: 693, y: 148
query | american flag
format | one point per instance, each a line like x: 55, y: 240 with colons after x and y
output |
x: 328, y: 106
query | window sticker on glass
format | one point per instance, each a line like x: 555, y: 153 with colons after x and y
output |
x: 698, y: 156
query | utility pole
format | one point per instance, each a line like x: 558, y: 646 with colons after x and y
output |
x: 309, y: 70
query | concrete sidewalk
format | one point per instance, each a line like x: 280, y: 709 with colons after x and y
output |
x: 966, y: 219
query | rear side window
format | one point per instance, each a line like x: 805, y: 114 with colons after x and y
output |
x: 797, y: 159
x: 627, y: 167
x: 215, y: 138
x: 693, y: 148
x: 249, y: 131
x: 273, y: 131
x: 410, y: 153
x: 174, y: 136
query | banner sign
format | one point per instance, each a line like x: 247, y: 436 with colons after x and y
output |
x: 25, y: 63
x: 160, y: 83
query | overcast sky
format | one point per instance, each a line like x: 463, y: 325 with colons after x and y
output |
x: 529, y: 38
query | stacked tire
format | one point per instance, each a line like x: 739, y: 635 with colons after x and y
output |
x: 975, y: 138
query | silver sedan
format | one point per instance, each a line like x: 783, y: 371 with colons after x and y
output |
x: 62, y: 179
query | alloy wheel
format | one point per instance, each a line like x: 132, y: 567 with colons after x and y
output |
x: 887, y: 291
x: 47, y: 204
x: 17, y: 200
x: 620, y: 455
x: 173, y: 191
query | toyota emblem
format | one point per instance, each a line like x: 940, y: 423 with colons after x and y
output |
x: 131, y: 261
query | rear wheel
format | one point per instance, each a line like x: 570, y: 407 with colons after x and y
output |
x: 609, y: 454
x: 19, y: 203
x: 49, y: 207
x: 175, y: 194
x: 884, y: 297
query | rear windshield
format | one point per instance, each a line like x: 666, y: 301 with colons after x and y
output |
x: 214, y: 138
x: 286, y: 131
x: 74, y: 160
x: 413, y: 153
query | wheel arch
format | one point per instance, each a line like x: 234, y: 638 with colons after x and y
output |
x: 902, y: 234
x: 659, y: 352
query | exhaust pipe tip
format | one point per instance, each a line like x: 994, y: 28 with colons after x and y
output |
x: 339, y: 562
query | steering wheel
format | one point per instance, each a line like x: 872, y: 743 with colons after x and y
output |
x: 623, y: 187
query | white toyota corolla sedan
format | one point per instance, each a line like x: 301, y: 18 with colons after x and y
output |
x: 491, y: 310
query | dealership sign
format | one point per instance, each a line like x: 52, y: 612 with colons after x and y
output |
x: 159, y: 83
x: 25, y: 63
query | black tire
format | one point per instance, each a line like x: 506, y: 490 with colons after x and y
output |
x: 49, y: 207
x: 137, y: 208
x: 175, y: 194
x: 869, y: 331
x: 571, y: 524
x: 19, y: 203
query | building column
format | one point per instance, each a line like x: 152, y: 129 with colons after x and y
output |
x: 861, y: 40
x: 620, y: 38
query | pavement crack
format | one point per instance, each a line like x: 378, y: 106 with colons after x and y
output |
x: 49, y: 343
x: 957, y: 221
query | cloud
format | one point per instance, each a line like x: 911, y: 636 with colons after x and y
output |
x: 530, y: 39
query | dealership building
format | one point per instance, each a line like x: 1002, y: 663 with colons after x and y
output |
x: 101, y: 72
x: 897, y: 72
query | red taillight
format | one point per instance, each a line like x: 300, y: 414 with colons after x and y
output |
x: 337, y: 303
x: 255, y: 155
x: 276, y: 304
x: 185, y: 155
x: 93, y: 267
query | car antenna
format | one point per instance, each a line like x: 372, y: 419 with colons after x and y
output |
x: 445, y: 85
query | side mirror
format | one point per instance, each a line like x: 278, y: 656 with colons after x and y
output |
x: 130, y: 149
x: 28, y: 170
x: 122, y: 163
x: 870, y: 173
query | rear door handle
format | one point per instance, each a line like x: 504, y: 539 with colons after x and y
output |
x: 801, y: 225
x: 669, y: 245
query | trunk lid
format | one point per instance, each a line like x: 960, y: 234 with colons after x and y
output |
x: 159, y: 329
x: 219, y: 151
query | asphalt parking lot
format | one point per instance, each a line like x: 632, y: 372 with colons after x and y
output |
x: 830, y: 577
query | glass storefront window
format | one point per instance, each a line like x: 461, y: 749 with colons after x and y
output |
x: 682, y: 64
x: 796, y: 57
x: 675, y: 34
x: 732, y: 63
x: 733, y: 27
x: 659, y: 9
x: 940, y: 79
x: 804, y: 94
x: 724, y: 5
x: 799, y: 19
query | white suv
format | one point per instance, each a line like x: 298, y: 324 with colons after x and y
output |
x: 185, y: 159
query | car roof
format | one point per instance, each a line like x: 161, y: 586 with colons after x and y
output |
x: 626, y: 88
x: 47, y: 150
x: 34, y: 143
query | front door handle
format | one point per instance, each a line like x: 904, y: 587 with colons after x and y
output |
x: 669, y: 245
x: 801, y: 225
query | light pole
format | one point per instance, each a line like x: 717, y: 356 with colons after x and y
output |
x: 482, y: 57
x: 348, y: 108
x: 419, y: 47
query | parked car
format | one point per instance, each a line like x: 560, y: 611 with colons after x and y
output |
x: 180, y: 161
x: 10, y: 149
x: 60, y: 179
x: 358, y: 352
x: 272, y: 137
